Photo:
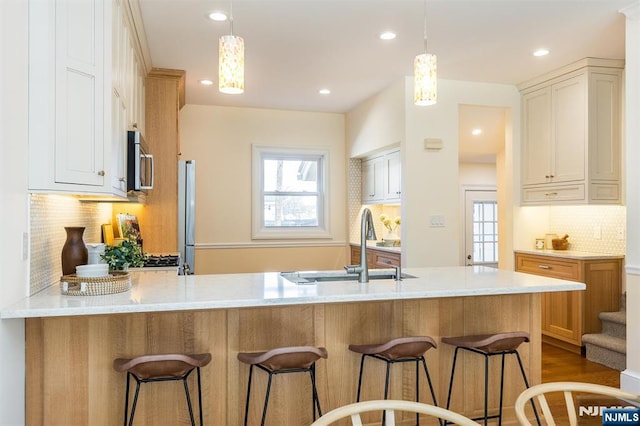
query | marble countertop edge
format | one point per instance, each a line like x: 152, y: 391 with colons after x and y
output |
x: 165, y: 292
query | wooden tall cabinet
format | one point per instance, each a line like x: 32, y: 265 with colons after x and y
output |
x: 164, y: 99
x: 566, y: 316
x: 571, y: 135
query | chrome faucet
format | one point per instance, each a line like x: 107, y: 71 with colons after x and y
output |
x: 367, y: 232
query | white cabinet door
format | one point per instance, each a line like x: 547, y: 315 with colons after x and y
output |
x: 394, y: 176
x: 118, y: 145
x: 569, y: 124
x: 79, y: 93
x: 604, y: 116
x: 372, y: 180
x: 536, y: 147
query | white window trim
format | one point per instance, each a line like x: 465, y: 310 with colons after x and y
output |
x: 260, y: 232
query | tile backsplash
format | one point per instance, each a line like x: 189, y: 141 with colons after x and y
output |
x: 583, y: 224
x: 49, y: 215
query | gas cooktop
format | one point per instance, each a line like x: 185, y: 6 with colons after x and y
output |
x: 160, y: 260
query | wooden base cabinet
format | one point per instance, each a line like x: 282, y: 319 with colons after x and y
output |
x: 376, y: 258
x: 566, y: 316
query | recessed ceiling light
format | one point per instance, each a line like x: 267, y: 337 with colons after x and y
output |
x: 476, y: 132
x: 324, y: 91
x: 387, y: 35
x: 217, y: 16
x: 541, y: 52
x: 206, y: 82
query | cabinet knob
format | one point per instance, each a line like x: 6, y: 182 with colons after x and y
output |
x: 101, y: 173
x: 134, y: 125
x: 550, y: 194
x: 544, y: 267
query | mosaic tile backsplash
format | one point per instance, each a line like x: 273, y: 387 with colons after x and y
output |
x: 582, y: 223
x: 49, y: 215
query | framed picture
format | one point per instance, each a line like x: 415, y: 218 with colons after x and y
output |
x: 128, y: 227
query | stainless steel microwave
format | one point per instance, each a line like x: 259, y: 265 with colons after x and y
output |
x: 139, y: 163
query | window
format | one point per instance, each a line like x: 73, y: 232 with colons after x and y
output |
x: 485, y: 232
x: 289, y: 193
x: 481, y: 234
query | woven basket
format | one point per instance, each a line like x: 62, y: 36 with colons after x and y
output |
x: 115, y: 282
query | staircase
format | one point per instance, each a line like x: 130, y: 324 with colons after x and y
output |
x: 609, y: 347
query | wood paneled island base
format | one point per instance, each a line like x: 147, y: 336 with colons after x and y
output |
x: 71, y: 381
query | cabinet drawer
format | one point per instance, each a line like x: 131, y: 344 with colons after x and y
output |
x: 386, y: 260
x: 555, y: 268
x: 550, y: 194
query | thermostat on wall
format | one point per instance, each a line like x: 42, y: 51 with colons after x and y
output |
x: 433, y: 144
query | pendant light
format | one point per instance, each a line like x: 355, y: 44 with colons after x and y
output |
x: 425, y: 75
x: 231, y: 61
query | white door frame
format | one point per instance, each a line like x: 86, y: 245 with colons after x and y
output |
x: 463, y: 215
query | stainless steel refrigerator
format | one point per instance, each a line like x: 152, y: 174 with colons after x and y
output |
x: 186, y: 215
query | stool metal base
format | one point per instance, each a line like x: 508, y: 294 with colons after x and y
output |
x: 389, y: 362
x: 161, y: 379
x: 312, y: 373
x: 486, y: 356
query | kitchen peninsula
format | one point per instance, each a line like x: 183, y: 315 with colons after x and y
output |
x: 72, y: 341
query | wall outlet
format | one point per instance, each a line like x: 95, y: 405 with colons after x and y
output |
x: 437, y: 221
x: 597, y: 232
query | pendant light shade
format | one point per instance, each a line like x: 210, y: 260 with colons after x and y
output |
x: 425, y: 80
x: 231, y: 65
x: 425, y: 73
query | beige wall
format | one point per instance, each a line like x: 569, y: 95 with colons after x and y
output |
x: 13, y: 197
x: 630, y: 378
x: 377, y: 123
x: 220, y: 140
x: 430, y: 178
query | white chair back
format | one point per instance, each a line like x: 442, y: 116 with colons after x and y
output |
x: 537, y: 394
x: 390, y: 406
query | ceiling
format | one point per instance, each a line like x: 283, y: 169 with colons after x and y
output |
x: 293, y: 48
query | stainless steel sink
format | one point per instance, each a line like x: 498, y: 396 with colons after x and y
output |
x: 313, y: 277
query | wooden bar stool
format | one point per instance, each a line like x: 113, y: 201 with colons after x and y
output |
x: 293, y: 359
x: 489, y: 345
x: 398, y: 350
x: 161, y: 368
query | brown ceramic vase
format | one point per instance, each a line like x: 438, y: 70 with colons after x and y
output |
x: 74, y: 251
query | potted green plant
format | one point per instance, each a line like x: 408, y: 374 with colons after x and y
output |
x: 126, y: 254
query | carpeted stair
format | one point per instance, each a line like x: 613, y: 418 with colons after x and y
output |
x: 609, y: 347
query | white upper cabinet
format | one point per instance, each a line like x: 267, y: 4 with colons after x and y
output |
x: 571, y: 124
x: 372, y: 180
x: 78, y: 112
x: 394, y: 180
x: 381, y: 179
x: 127, y: 92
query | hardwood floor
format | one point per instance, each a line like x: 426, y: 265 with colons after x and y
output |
x: 559, y: 365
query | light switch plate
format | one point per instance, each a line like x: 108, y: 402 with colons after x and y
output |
x: 25, y: 246
x: 436, y: 221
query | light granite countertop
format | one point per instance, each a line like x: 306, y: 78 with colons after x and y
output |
x: 160, y: 291
x: 572, y: 254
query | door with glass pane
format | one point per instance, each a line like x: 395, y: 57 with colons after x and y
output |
x: 481, y: 228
